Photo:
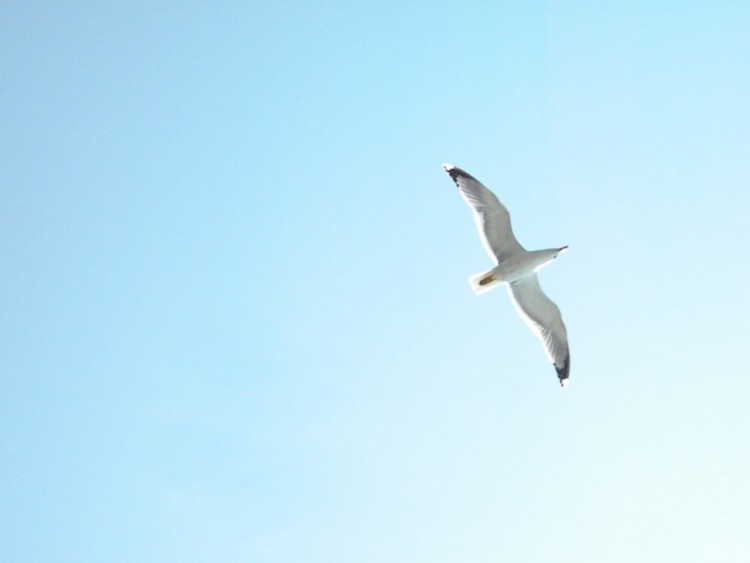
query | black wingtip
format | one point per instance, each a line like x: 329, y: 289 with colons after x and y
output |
x: 456, y: 173
x: 562, y: 372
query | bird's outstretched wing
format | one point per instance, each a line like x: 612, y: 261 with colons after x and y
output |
x: 491, y: 216
x: 543, y: 317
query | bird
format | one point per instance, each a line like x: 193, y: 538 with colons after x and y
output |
x: 516, y: 268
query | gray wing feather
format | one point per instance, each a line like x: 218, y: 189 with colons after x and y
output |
x: 491, y: 217
x: 543, y: 317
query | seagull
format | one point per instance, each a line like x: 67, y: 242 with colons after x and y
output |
x: 516, y: 267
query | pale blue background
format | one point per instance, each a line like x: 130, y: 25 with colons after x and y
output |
x: 235, y: 318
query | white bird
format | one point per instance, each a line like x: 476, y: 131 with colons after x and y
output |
x: 516, y: 267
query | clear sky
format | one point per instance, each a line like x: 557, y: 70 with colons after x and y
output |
x: 236, y: 323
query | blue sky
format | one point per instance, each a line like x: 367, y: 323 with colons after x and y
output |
x: 236, y: 324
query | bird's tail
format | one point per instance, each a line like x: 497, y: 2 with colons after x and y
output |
x: 482, y: 283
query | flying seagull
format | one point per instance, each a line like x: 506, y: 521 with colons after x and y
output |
x: 516, y: 267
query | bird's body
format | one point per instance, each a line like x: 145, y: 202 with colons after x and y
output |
x: 513, y: 268
x: 516, y: 267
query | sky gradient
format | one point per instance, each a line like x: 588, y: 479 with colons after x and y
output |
x: 236, y: 323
